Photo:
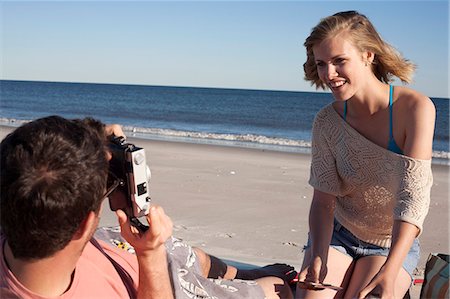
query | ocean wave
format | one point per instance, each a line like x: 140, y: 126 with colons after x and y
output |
x: 218, y: 136
x: 12, y: 122
x: 245, y: 140
x: 441, y: 157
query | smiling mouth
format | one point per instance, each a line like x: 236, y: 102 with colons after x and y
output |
x: 334, y: 85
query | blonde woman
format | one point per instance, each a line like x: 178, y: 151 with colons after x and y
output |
x: 371, y: 164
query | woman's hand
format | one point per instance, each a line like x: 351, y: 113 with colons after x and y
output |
x: 381, y: 286
x: 321, y: 217
x: 317, y: 270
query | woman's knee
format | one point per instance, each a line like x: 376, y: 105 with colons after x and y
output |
x: 275, y: 287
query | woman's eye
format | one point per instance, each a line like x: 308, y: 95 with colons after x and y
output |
x: 339, y: 61
x: 320, y: 63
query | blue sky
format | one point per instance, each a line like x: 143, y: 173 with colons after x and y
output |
x: 233, y: 44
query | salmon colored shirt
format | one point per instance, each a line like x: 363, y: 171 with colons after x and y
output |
x: 95, y: 276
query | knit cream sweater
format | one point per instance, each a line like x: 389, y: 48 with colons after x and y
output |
x: 373, y: 185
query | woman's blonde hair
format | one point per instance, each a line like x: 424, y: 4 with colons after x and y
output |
x: 388, y: 62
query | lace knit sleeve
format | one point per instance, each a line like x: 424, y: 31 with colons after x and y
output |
x: 413, y: 199
x: 323, y: 172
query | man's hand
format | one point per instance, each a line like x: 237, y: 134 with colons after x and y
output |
x: 154, y: 278
x: 114, y: 129
x: 160, y: 229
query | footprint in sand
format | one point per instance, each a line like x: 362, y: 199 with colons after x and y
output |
x: 179, y: 227
x: 226, y: 235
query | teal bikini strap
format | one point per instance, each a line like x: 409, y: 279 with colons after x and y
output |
x: 345, y: 110
x: 391, y: 134
x: 392, y: 145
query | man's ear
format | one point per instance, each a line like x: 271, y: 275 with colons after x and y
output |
x: 108, y: 155
x: 85, y: 229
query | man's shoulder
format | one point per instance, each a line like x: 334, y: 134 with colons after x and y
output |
x: 9, y: 285
x: 96, y: 268
x: 117, y: 251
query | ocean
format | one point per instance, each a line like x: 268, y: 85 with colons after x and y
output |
x: 275, y: 120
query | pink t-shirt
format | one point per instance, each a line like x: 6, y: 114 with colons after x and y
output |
x: 95, y: 276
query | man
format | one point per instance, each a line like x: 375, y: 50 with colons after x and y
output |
x: 53, y: 181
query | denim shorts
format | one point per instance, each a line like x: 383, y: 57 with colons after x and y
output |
x: 344, y: 241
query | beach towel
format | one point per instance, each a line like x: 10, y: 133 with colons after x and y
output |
x: 185, y: 272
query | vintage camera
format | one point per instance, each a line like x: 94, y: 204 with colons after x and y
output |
x: 128, y: 170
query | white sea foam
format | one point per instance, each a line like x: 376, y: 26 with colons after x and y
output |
x: 282, y: 144
x: 240, y: 140
x: 217, y: 136
x: 11, y: 122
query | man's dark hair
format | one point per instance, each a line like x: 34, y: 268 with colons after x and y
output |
x: 53, y: 173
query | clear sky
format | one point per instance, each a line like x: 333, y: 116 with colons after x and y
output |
x: 232, y: 44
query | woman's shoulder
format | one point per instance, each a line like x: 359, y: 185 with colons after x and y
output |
x: 412, y: 102
x: 326, y: 115
x: 326, y: 111
x: 418, y: 114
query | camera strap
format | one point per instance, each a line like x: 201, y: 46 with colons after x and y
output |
x: 124, y: 275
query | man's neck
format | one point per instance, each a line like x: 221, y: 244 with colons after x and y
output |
x: 48, y: 277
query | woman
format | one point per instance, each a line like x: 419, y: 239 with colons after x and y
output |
x: 371, y: 164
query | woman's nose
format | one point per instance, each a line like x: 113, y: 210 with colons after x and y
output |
x: 331, y: 71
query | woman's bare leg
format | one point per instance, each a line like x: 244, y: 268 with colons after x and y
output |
x: 205, y: 264
x: 283, y: 271
x: 275, y: 288
x: 366, y: 268
x: 339, y: 271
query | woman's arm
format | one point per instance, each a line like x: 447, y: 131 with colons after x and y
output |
x: 321, y: 217
x: 403, y: 236
x: 419, y: 115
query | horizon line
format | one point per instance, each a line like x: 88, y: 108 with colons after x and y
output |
x: 183, y: 86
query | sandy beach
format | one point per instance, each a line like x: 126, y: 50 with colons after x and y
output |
x: 251, y: 205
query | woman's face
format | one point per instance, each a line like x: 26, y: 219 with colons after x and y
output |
x: 341, y: 66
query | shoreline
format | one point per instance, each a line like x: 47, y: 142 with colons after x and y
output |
x: 251, y: 205
x: 249, y: 141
